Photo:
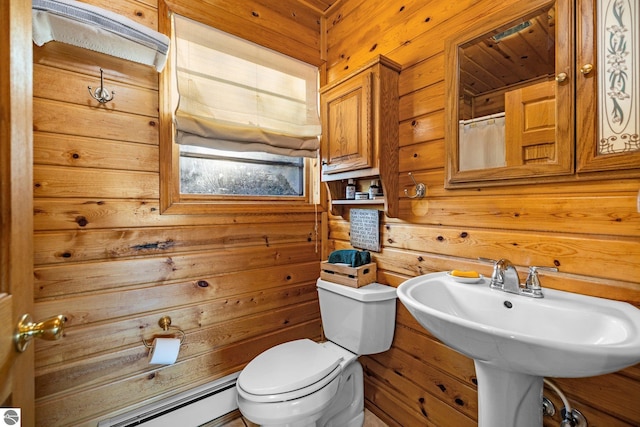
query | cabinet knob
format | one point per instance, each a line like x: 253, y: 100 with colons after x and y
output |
x: 586, y: 69
x: 561, y: 77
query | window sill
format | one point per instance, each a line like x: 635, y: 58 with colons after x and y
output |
x: 235, y: 208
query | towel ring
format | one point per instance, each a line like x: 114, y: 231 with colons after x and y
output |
x: 165, y: 324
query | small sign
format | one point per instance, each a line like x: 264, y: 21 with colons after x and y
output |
x: 365, y: 229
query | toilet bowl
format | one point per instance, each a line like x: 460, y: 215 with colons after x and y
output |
x: 293, y: 383
x: 305, y: 383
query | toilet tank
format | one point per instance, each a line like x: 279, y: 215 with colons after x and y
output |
x: 362, y: 320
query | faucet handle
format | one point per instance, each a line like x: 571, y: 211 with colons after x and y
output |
x: 496, y: 276
x: 532, y: 284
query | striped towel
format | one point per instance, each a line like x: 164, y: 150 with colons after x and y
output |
x: 93, y: 28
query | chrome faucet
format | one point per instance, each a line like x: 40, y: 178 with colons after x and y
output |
x: 505, y: 278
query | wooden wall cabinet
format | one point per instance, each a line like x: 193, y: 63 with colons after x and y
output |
x: 360, y: 133
x: 607, y: 109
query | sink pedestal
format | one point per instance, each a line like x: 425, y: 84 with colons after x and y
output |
x: 507, y: 399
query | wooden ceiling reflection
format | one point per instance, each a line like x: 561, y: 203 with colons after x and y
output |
x: 488, y: 64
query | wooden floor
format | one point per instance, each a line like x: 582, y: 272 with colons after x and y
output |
x: 370, y: 420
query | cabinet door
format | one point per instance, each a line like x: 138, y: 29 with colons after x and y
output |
x: 608, y: 85
x: 347, y: 140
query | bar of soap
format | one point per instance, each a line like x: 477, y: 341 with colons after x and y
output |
x: 462, y: 273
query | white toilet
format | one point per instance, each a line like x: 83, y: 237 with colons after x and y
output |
x: 303, y: 383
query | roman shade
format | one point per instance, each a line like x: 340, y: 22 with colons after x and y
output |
x: 238, y: 96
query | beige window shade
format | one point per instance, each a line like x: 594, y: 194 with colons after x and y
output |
x: 238, y: 96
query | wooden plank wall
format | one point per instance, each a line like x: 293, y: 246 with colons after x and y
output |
x: 590, y: 230
x: 107, y: 260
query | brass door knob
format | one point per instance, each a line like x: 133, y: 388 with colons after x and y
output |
x: 49, y: 329
x: 586, y: 69
x: 561, y: 77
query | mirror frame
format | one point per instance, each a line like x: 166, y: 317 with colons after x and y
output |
x: 564, y: 62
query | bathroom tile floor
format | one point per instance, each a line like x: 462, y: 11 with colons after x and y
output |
x: 370, y: 420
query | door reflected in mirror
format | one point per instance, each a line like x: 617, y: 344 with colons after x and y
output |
x: 507, y: 81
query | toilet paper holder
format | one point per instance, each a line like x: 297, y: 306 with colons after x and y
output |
x: 165, y: 324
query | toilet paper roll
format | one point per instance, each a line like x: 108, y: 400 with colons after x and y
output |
x: 164, y: 351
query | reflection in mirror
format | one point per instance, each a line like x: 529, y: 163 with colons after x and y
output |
x: 506, y: 94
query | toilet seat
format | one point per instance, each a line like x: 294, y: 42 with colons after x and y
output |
x: 289, y: 371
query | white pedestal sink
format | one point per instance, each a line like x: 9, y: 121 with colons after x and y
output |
x: 516, y: 341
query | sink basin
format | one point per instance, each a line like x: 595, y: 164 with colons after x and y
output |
x: 562, y: 335
x: 515, y: 340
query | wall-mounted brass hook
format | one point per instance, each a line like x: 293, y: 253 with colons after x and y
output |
x: 421, y: 189
x: 101, y: 94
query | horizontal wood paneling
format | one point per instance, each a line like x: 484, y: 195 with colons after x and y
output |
x: 427, y: 155
x: 570, y: 213
x: 54, y: 181
x: 73, y: 246
x: 424, y: 73
x: 107, y: 259
x: 65, y: 150
x: 127, y: 98
x: 98, y: 213
x: 143, y: 12
x: 99, y: 338
x: 94, y: 367
x: 289, y: 27
x: 422, y: 102
x: 406, y: 32
x: 93, y: 121
x: 424, y: 128
x: 590, y: 230
x: 77, y: 60
x: 160, y: 382
x: 56, y: 280
x: 109, y: 305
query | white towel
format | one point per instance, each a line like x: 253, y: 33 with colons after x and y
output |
x: 93, y: 28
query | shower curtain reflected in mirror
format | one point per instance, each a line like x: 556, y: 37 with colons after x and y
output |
x: 482, y: 142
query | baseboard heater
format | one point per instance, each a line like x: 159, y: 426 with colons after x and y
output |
x: 191, y: 408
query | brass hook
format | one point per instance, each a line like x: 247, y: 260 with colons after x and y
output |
x: 101, y: 94
x: 165, y: 324
x: 421, y: 189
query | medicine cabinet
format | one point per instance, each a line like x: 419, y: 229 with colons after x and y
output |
x: 534, y: 96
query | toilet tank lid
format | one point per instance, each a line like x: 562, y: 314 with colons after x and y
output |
x: 370, y: 292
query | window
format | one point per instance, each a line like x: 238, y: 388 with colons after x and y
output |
x: 210, y: 171
x: 240, y: 125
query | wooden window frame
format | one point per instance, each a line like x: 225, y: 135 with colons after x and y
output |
x: 172, y: 201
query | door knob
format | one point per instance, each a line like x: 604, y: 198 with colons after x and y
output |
x: 49, y: 329
x: 561, y: 77
x: 586, y: 69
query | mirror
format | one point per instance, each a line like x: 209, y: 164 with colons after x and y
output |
x: 509, y: 96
